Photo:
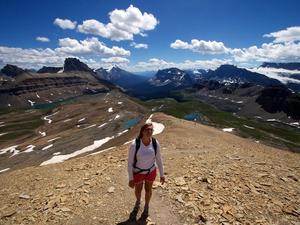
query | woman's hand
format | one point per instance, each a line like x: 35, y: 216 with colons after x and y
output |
x: 162, y: 180
x: 131, y: 184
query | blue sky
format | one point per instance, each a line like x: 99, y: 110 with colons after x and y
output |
x: 148, y: 35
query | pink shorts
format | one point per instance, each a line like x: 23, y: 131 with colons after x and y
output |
x: 139, y: 178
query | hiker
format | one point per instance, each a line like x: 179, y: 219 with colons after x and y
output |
x: 142, y: 155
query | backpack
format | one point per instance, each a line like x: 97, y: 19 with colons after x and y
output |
x: 137, y: 147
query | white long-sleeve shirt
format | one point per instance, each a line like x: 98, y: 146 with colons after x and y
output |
x: 145, y: 158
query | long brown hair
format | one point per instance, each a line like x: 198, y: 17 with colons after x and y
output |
x: 146, y: 125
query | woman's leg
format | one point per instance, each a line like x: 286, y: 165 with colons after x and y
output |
x: 148, y: 193
x: 138, y: 192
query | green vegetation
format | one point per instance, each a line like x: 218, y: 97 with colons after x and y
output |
x: 263, y: 131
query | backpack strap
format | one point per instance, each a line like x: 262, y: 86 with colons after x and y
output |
x: 154, y: 143
x: 137, y: 147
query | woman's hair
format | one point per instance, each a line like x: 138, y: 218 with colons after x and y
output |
x: 146, y: 125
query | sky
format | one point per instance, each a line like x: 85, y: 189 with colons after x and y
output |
x: 149, y: 35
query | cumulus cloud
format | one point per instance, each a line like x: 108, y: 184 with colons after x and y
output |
x: 65, y: 23
x: 42, y: 39
x: 201, y: 46
x: 31, y: 58
x: 140, y: 45
x: 89, y: 46
x: 290, y: 34
x: 87, y: 50
x: 280, y: 52
x: 123, y: 25
x: 155, y: 64
x: 115, y: 60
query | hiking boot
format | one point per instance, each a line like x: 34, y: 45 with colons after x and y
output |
x: 145, y: 214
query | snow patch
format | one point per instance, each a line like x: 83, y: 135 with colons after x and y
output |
x: 1, y: 171
x: 61, y: 158
x: 11, y: 149
x: 122, y: 132
x: 56, y: 153
x: 49, y: 120
x: 37, y: 95
x: 67, y: 120
x: 249, y: 127
x: 42, y: 133
x: 119, y: 103
x: 53, y: 139
x: 81, y: 120
x: 228, y: 129
x: 47, y: 147
x: 3, y: 134
x: 90, y: 126
x: 102, y: 125
x: 31, y: 102
x: 29, y: 148
x: 110, y: 109
x: 117, y: 116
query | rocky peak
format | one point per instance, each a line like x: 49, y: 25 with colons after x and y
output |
x: 73, y: 64
x: 12, y: 70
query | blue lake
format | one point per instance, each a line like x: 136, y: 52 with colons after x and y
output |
x: 131, y: 123
x: 193, y: 116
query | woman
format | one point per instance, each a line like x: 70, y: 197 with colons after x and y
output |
x: 142, y: 155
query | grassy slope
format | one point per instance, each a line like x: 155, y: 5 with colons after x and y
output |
x: 266, y: 132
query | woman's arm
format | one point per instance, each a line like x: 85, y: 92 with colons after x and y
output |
x: 159, y: 161
x: 131, y: 152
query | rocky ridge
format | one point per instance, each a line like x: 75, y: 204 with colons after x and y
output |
x: 212, y: 178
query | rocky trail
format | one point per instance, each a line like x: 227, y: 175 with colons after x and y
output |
x: 213, y: 177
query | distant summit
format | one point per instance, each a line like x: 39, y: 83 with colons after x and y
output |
x: 119, y: 77
x: 73, y: 64
x: 173, y: 76
x: 287, y: 66
x: 233, y: 74
x: 12, y: 70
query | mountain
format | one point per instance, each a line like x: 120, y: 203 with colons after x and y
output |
x: 30, y: 88
x: 162, y: 84
x: 288, y: 66
x: 73, y: 64
x: 120, y: 77
x: 171, y: 77
x: 47, y: 69
x: 277, y: 99
x: 233, y: 74
x: 12, y: 70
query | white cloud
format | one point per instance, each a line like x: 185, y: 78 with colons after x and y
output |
x: 31, y: 58
x: 115, y: 60
x: 87, y: 51
x: 42, y: 39
x: 279, y: 52
x: 65, y: 23
x: 155, y: 64
x: 89, y: 46
x: 290, y: 34
x: 140, y: 45
x: 201, y: 46
x: 122, y: 26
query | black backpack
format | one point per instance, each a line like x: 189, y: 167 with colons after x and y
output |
x: 137, y: 147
